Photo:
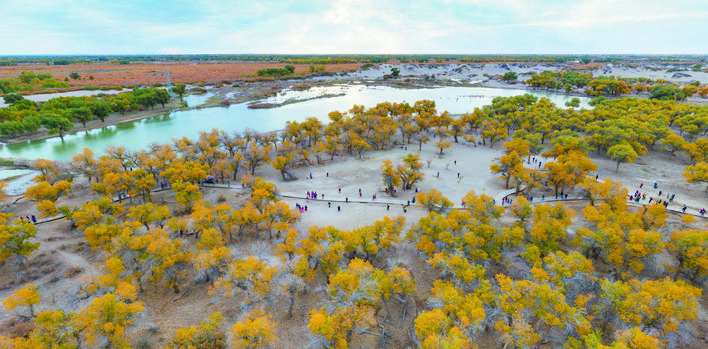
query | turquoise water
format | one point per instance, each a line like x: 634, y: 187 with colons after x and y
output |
x: 163, y: 128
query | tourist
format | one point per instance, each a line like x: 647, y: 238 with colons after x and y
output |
x: 339, y: 208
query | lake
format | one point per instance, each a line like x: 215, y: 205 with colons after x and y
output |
x: 139, y: 134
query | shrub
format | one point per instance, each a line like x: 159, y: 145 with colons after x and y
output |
x: 17, y: 327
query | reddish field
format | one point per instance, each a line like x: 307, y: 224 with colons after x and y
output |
x: 144, y: 74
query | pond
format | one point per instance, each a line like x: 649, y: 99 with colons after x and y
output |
x: 317, y: 102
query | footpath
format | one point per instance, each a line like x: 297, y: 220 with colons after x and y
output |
x: 498, y: 200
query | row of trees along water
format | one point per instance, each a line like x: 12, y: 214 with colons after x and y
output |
x: 58, y: 115
x: 23, y: 117
x: 521, y: 283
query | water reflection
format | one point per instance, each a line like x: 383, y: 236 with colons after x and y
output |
x: 163, y: 128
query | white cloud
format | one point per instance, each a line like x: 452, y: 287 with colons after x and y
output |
x: 351, y: 26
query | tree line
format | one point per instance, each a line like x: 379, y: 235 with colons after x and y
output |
x: 58, y: 115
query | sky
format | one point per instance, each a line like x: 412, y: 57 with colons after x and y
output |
x: 66, y: 27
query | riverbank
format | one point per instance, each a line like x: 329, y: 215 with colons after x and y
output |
x: 112, y: 119
x: 253, y: 91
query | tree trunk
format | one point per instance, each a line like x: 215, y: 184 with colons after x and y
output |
x: 388, y: 312
x: 292, y: 305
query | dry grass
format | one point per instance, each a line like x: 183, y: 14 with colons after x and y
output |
x: 147, y: 74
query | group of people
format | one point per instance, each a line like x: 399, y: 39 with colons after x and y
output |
x: 32, y: 219
x: 314, y: 195
x: 301, y: 207
x: 540, y: 163
x: 637, y: 196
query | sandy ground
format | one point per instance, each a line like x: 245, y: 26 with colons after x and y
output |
x: 61, y: 249
x: 483, y: 72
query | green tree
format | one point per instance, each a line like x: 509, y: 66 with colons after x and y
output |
x: 395, y: 72
x: 667, y: 93
x: 14, y: 240
x: 11, y: 98
x: 622, y: 152
x: 697, y: 173
x: 509, y: 76
x: 101, y: 109
x: 83, y: 115
x: 179, y: 89
x: 57, y: 125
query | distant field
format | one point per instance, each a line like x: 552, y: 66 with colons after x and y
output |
x: 145, y: 74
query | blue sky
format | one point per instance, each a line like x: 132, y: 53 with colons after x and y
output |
x: 36, y: 27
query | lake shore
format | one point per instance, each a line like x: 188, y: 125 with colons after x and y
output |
x: 415, y: 77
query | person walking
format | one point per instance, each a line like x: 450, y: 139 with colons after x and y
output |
x: 339, y: 208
